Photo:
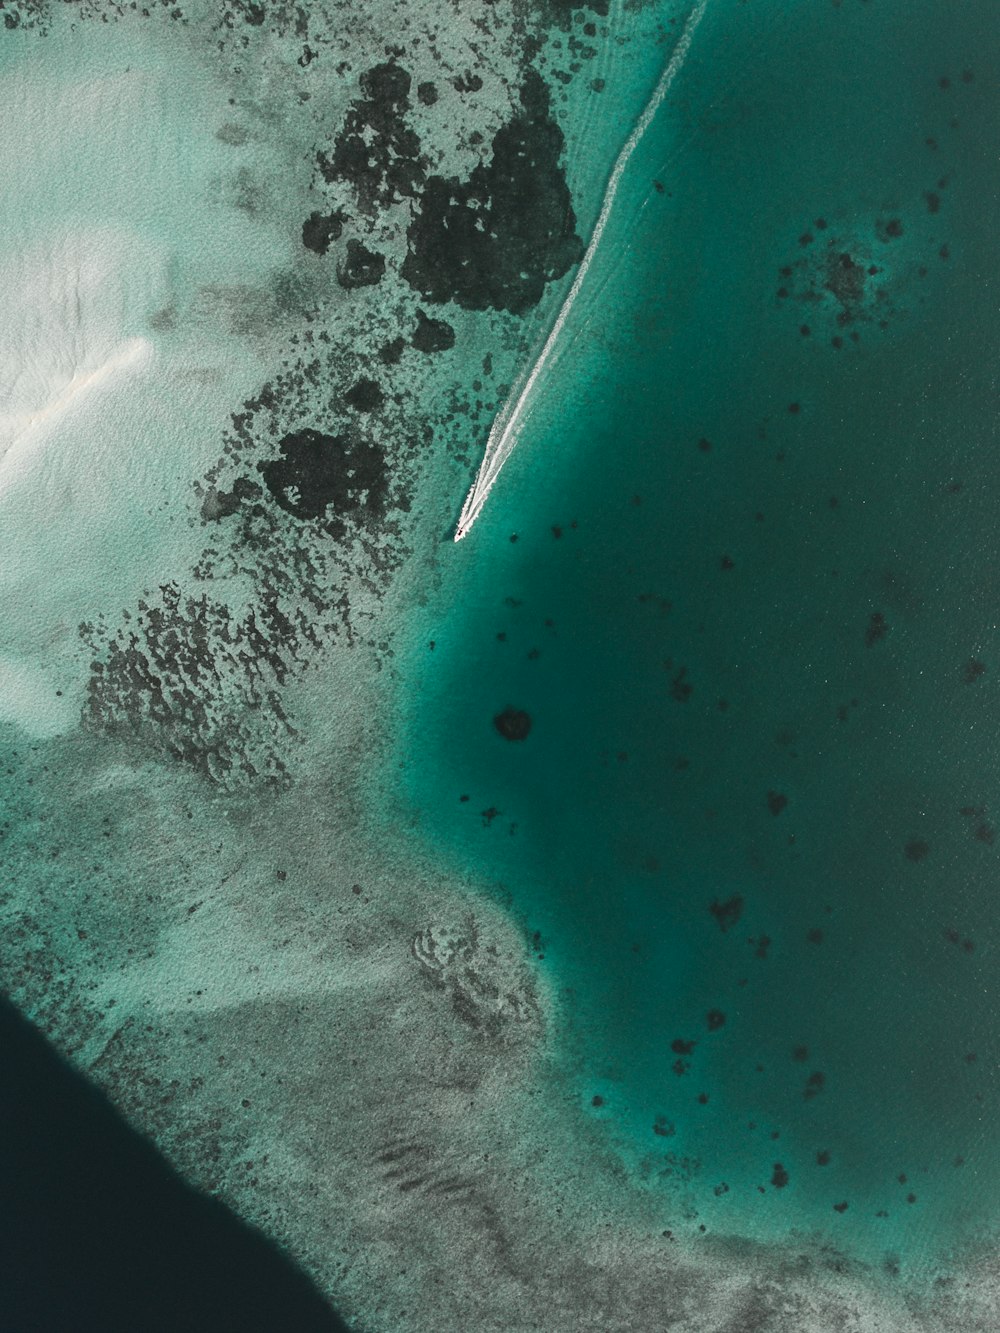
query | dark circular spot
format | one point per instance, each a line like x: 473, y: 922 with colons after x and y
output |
x: 320, y: 229
x: 361, y: 268
x: 432, y: 335
x: 513, y: 724
x: 365, y: 396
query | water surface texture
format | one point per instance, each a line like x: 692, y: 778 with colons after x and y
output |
x: 589, y: 925
x: 738, y: 579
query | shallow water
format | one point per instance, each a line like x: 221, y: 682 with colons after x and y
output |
x: 738, y: 574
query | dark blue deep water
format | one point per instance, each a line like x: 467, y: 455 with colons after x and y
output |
x: 743, y: 575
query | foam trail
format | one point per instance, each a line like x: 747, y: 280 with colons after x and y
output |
x: 502, y: 436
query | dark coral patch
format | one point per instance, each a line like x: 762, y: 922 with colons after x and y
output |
x: 365, y: 396
x: 317, y: 472
x: 361, y: 267
x: 376, y: 152
x: 513, y: 724
x: 432, y: 335
x: 493, y: 241
x: 727, y: 913
x: 320, y: 230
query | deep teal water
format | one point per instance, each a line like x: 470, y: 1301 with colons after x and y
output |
x: 743, y: 574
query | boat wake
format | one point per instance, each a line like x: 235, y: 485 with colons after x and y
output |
x: 504, y: 432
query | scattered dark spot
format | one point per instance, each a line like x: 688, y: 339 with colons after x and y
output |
x: 715, y: 1019
x: 728, y: 913
x: 763, y: 945
x: 513, y: 724
x: 889, y: 231
x: 776, y: 802
x: 840, y: 1207
x: 800, y: 1053
x: 814, y: 1085
x: 597, y: 1100
x: 876, y: 629
x: 972, y: 670
x: 794, y: 408
x: 681, y: 1047
x: 916, y: 849
x: 704, y: 445
x: 427, y: 94
x: 822, y: 1158
x: 680, y: 689
x: 815, y: 936
x: 779, y: 1176
x: 933, y: 201
x: 664, y: 1127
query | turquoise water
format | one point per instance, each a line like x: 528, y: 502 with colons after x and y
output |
x: 741, y: 574
x: 514, y: 1033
